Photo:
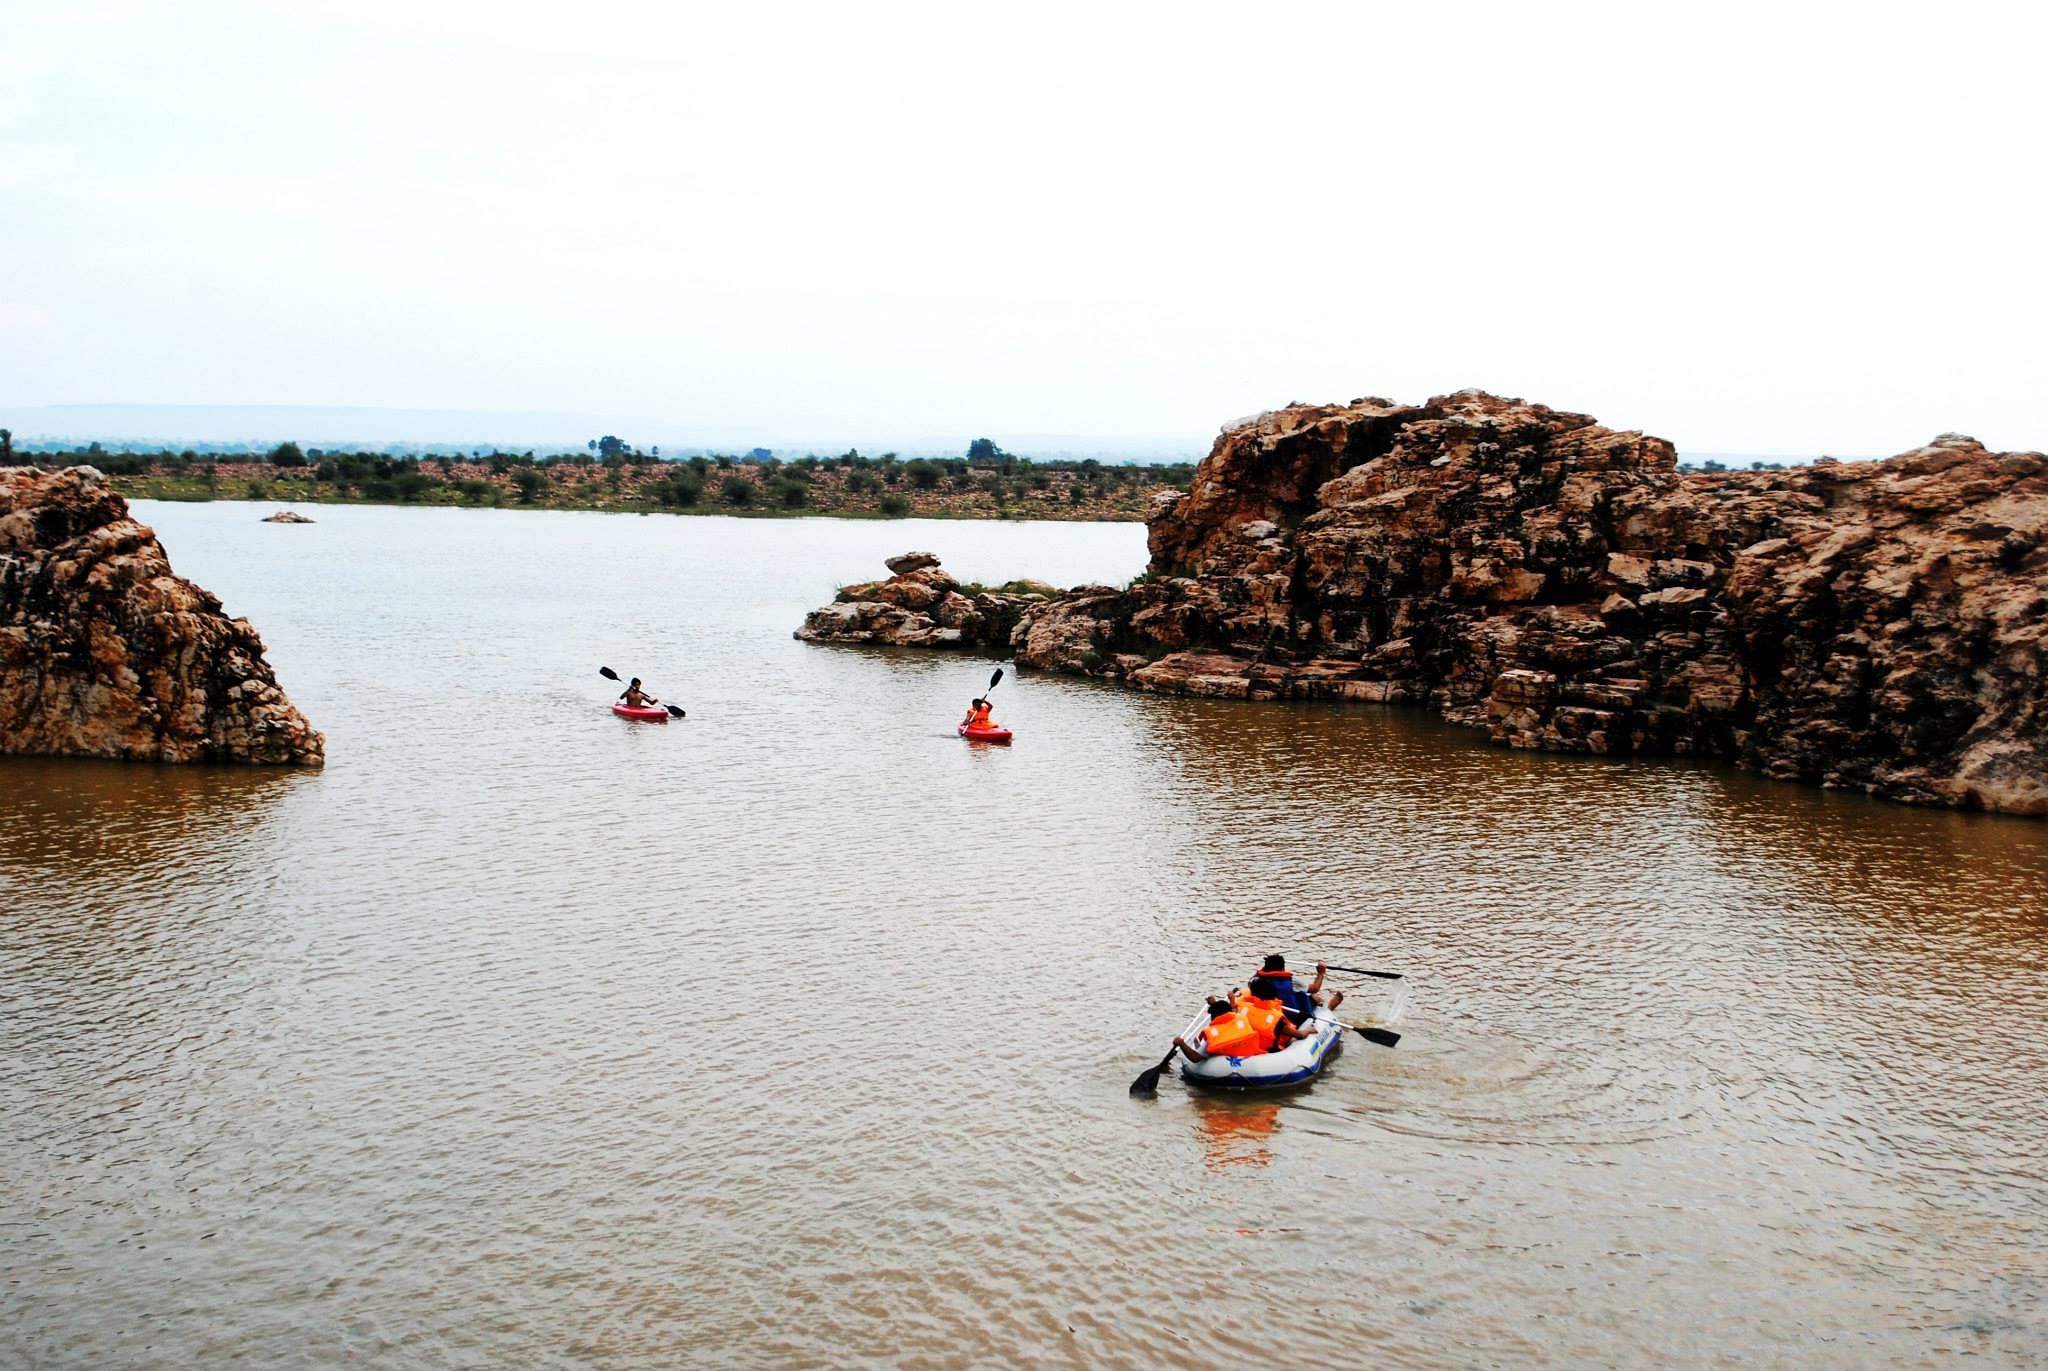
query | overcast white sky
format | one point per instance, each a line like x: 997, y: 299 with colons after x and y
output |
x: 1774, y: 229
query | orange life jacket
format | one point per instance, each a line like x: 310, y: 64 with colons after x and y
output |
x: 978, y: 717
x: 1262, y: 1015
x: 1233, y: 1035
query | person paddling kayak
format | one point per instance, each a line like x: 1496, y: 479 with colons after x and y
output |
x: 633, y: 697
x: 978, y: 716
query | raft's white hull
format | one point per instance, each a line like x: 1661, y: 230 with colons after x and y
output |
x: 1300, y: 1061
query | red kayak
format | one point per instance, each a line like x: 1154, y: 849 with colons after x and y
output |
x: 650, y: 714
x: 985, y: 735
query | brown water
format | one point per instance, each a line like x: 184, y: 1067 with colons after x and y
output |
x: 797, y: 1033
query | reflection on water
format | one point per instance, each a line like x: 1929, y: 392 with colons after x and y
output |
x: 798, y: 1032
x: 1236, y: 1131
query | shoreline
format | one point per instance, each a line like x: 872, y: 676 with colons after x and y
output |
x: 846, y: 487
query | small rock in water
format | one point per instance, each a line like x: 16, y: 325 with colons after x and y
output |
x: 285, y: 516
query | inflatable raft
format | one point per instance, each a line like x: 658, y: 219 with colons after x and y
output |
x: 1298, y: 1062
x: 985, y: 735
x: 646, y: 714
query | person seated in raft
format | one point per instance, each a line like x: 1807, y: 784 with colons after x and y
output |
x: 1241, y: 1027
x: 1299, y: 1004
x: 1261, y: 1004
x: 633, y: 697
x: 1230, y: 1034
x: 977, y: 715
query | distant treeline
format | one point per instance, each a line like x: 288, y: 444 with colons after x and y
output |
x: 612, y: 474
x: 1712, y: 464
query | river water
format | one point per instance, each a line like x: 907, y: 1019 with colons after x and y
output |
x: 798, y: 1032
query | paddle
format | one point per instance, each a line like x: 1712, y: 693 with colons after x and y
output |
x: 1385, y: 1037
x: 1148, y: 1081
x: 611, y: 675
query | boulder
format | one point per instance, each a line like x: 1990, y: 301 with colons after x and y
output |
x: 104, y: 652
x: 920, y: 605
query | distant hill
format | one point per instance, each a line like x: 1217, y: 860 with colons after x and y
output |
x: 263, y: 426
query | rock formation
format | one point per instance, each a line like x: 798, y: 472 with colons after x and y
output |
x: 286, y: 516
x: 1875, y: 626
x: 105, y: 653
x: 921, y: 605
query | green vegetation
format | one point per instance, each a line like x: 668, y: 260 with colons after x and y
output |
x: 610, y: 474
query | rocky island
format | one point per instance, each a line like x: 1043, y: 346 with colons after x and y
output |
x: 1873, y: 626
x: 105, y: 653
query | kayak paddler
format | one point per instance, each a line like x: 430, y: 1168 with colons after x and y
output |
x: 633, y: 697
x: 978, y: 715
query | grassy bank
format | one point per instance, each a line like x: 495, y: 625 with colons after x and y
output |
x: 850, y: 486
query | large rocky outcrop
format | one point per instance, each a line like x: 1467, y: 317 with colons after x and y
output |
x: 105, y: 653
x: 1877, y: 626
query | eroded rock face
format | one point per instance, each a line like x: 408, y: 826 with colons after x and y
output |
x: 1876, y: 626
x: 105, y: 653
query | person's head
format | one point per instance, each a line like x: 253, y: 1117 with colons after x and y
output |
x: 636, y: 683
x: 1219, y: 1008
x: 1264, y: 989
x: 979, y: 702
x: 1276, y: 962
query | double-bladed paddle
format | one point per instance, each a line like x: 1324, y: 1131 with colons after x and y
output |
x: 611, y: 675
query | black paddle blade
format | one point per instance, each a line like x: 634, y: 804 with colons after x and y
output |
x: 1385, y: 1037
x: 1148, y: 1081
x: 995, y: 678
x: 1361, y: 971
x: 673, y: 712
x: 608, y: 673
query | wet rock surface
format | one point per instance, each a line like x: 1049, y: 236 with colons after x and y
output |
x: 1875, y: 626
x: 105, y: 653
x: 922, y: 605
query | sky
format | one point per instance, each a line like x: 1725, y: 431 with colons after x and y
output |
x: 1775, y: 229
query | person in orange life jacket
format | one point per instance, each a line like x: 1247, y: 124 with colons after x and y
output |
x: 635, y: 698
x: 1299, y: 1004
x: 1262, y: 1004
x: 978, y: 714
x: 1230, y: 1034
